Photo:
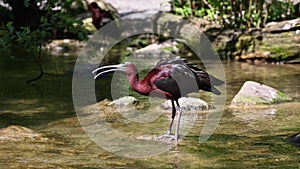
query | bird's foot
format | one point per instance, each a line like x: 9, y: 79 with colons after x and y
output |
x: 167, y: 136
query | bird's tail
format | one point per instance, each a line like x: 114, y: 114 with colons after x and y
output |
x: 215, y: 81
x: 208, y: 82
x: 215, y: 91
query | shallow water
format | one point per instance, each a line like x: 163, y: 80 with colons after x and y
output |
x: 244, y: 138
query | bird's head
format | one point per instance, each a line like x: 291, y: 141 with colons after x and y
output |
x: 92, y: 6
x: 127, y: 68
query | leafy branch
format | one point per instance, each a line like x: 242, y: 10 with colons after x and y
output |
x: 32, y: 39
x: 236, y: 13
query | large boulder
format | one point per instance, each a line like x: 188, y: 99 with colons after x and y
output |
x: 277, y: 42
x: 157, y: 50
x: 253, y: 93
x: 171, y: 25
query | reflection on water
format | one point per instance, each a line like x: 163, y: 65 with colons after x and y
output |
x: 285, y: 78
x: 252, y: 138
x: 253, y: 115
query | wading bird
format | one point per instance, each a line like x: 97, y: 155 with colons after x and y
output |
x: 100, y: 17
x: 171, y: 78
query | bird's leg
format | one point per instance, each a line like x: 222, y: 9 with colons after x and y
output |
x: 178, y: 122
x: 172, y: 118
x: 168, y: 134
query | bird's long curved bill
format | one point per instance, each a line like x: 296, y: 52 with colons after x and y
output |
x: 105, y: 69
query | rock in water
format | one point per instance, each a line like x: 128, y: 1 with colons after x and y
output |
x: 188, y: 104
x: 295, y: 140
x: 124, y: 102
x: 18, y: 133
x: 253, y: 93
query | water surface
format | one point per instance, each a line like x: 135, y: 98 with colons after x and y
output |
x: 243, y: 139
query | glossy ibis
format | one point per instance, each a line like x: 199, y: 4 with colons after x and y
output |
x: 100, y: 17
x: 171, y: 78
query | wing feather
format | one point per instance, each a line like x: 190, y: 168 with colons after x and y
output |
x: 179, y: 77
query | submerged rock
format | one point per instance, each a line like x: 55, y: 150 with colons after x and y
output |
x: 64, y: 47
x: 125, y: 102
x: 187, y: 103
x: 18, y: 133
x: 253, y: 93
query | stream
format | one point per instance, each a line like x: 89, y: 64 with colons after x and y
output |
x: 244, y: 138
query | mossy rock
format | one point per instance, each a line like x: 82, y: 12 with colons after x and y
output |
x: 282, y: 46
x: 279, y: 53
x: 245, y: 43
x: 256, y: 94
x: 175, y: 26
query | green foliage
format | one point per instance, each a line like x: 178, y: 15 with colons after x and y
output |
x: 32, y: 38
x: 31, y: 33
x: 236, y: 13
x: 26, y: 3
x: 6, y: 37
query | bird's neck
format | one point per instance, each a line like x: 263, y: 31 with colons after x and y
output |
x: 94, y: 10
x: 133, y: 80
x: 137, y: 85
